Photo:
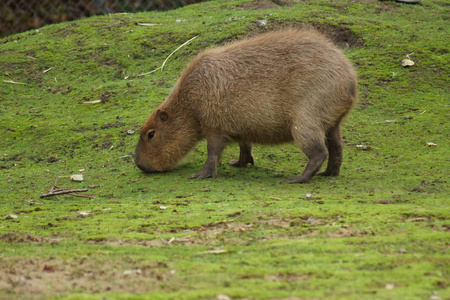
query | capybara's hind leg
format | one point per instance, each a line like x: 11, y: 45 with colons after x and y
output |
x: 334, y: 145
x: 215, y: 146
x: 312, y: 142
x: 245, y: 156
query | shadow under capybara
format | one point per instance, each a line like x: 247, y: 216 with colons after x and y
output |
x: 283, y: 86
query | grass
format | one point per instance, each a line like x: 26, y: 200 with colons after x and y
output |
x: 378, y: 231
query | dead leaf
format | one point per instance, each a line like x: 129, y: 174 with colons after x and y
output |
x: 389, y: 286
x: 77, y: 177
x: 48, y: 268
x: 10, y: 217
x: 85, y: 213
x: 93, y: 102
x: 407, y: 63
x: 364, y: 147
x: 132, y: 272
x: 216, y: 251
x: 147, y: 24
x: 431, y: 144
x: 262, y: 23
x: 418, y: 219
x: 435, y: 296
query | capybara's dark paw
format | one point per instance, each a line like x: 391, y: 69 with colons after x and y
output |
x: 299, y: 179
x: 241, y: 163
x: 202, y: 175
x: 328, y: 173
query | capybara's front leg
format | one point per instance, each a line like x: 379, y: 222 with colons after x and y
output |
x: 245, y: 156
x: 215, y: 146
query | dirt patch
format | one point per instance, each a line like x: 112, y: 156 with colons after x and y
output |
x: 268, y: 4
x: 348, y: 231
x: 21, y: 237
x: 342, y: 36
x: 386, y: 6
x: 35, y: 278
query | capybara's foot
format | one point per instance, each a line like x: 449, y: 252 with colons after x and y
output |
x: 299, y: 179
x: 328, y: 173
x: 202, y: 175
x: 242, y: 163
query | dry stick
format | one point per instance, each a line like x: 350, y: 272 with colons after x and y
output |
x: 54, y: 185
x: 62, y: 192
x: 164, y: 63
x: 54, y: 191
x: 83, y: 196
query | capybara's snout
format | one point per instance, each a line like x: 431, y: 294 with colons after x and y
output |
x: 141, y: 165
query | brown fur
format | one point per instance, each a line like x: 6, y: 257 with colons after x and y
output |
x: 289, y: 85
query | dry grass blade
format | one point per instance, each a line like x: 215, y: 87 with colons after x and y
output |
x: 165, y: 61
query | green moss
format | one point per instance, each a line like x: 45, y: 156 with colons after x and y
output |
x: 377, y: 231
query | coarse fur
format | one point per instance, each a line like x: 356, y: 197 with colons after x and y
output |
x: 289, y: 85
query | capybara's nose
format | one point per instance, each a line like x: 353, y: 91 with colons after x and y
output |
x: 141, y: 165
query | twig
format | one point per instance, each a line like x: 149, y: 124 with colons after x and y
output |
x: 54, y: 185
x: 62, y: 192
x: 83, y: 196
x: 165, y: 61
x: 54, y: 191
x: 45, y: 71
x: 13, y: 82
x: 147, y: 24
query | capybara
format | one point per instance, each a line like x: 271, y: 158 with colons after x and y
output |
x: 278, y: 87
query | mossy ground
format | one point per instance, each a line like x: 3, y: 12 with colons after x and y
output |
x: 378, y: 231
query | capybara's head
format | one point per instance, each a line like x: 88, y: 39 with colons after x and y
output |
x: 165, y: 138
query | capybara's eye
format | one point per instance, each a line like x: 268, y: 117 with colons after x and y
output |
x: 151, y: 134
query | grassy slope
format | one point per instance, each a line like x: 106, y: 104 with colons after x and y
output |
x: 377, y: 231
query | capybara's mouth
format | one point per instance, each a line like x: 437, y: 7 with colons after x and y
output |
x: 145, y: 169
x: 148, y: 170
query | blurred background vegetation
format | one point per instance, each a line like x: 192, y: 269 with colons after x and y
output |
x: 22, y: 15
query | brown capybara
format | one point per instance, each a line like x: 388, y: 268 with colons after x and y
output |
x: 283, y: 86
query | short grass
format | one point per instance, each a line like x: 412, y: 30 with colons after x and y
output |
x: 378, y: 231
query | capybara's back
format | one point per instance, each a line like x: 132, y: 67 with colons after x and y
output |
x: 289, y: 85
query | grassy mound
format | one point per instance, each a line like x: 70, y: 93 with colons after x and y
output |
x: 72, y: 99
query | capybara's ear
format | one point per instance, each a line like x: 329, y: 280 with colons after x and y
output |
x: 162, y: 115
